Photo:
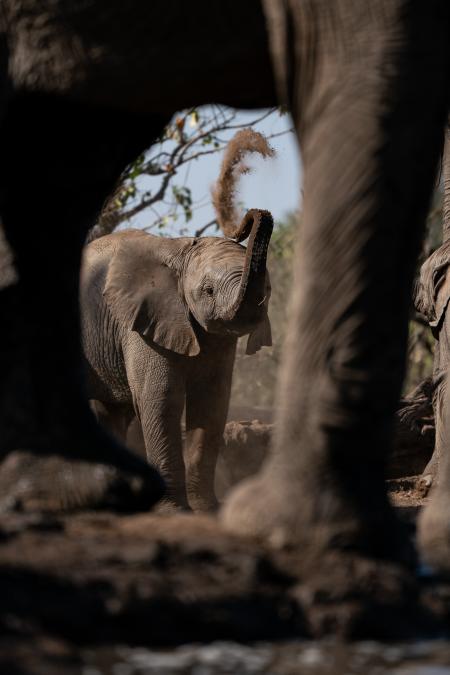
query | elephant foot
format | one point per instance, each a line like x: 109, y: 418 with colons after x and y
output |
x: 351, y: 596
x: 201, y: 504
x: 433, y: 532
x: 287, y: 515
x: 429, y: 476
x: 73, y: 463
x: 424, y: 484
x: 34, y: 481
x: 169, y: 507
x: 355, y: 579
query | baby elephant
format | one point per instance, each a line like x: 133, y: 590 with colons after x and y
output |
x: 161, y: 318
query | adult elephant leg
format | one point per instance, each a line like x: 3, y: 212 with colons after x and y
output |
x: 59, y: 162
x: 135, y: 437
x: 370, y: 94
x: 207, y: 399
x: 434, y: 520
x: 124, y: 427
x: 442, y: 351
x: 157, y: 380
x: 441, y: 332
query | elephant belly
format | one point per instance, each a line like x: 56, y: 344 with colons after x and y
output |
x: 107, y: 56
x: 107, y: 382
x: 106, y: 376
x: 108, y: 385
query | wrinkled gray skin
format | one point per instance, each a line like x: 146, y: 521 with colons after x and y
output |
x: 160, y: 326
x: 85, y: 86
x: 432, y: 297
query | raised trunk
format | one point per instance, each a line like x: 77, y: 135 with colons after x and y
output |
x: 446, y: 172
x: 251, y: 290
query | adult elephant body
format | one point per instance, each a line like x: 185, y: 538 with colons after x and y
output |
x: 88, y: 87
x: 82, y: 97
x: 160, y: 319
x: 432, y: 297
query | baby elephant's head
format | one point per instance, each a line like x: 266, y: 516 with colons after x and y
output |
x: 227, y: 286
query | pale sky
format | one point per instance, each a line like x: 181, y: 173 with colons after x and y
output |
x: 274, y: 184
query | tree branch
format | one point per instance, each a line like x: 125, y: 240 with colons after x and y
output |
x: 202, y: 230
x: 166, y: 163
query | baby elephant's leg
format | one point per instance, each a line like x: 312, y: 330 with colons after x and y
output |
x: 207, y: 399
x: 157, y: 382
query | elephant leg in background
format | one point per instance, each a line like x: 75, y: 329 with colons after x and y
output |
x: 112, y: 419
x: 434, y: 521
x: 59, y: 162
x: 207, y: 399
x: 157, y: 380
x: 369, y: 112
x: 441, y: 356
x: 135, y: 438
x: 124, y: 427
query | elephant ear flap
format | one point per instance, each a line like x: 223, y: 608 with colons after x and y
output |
x: 142, y: 292
x: 262, y: 335
x: 432, y: 291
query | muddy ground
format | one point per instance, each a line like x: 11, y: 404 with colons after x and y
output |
x: 122, y: 595
x: 108, y: 594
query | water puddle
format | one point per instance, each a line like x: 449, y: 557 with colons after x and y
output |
x: 287, y: 658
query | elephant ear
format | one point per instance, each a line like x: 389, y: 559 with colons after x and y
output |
x: 262, y: 335
x: 142, y: 292
x: 432, y: 291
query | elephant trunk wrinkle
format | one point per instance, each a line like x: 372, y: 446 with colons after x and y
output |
x: 251, y: 289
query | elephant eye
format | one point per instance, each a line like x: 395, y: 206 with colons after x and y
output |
x: 208, y: 290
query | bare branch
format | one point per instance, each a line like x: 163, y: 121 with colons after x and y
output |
x: 202, y: 230
x: 145, y: 203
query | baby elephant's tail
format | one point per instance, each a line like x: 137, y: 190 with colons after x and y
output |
x: 223, y: 192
